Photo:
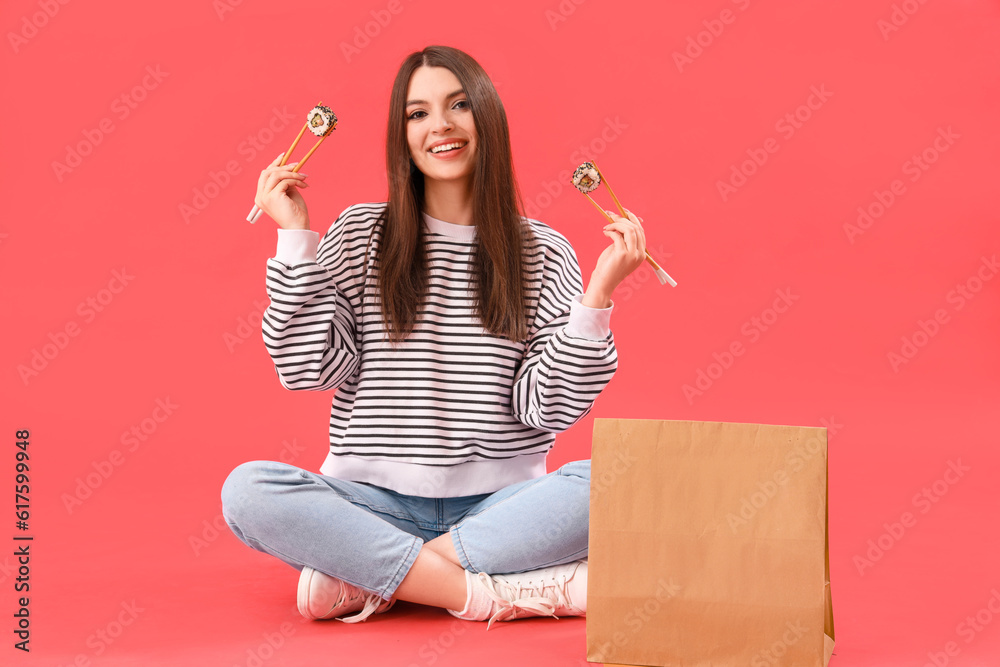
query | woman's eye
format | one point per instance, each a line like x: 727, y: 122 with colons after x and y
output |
x: 413, y: 115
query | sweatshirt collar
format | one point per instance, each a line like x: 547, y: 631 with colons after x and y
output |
x: 435, y: 226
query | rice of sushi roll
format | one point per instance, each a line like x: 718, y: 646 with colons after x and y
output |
x: 586, y: 178
x: 321, y: 120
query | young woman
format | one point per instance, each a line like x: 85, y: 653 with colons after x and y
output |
x: 460, y: 340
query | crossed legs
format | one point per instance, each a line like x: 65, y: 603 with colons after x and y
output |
x: 368, y: 537
x: 436, y: 577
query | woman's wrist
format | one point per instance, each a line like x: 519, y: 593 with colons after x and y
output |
x: 596, y: 296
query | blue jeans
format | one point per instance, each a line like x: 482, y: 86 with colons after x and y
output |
x: 369, y: 536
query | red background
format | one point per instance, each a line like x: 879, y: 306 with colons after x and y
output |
x: 566, y: 73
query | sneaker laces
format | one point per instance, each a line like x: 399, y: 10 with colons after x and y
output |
x: 372, y: 603
x: 509, y: 601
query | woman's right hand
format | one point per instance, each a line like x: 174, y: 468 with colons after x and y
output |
x: 278, y: 195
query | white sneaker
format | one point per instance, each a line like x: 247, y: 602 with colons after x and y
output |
x: 321, y: 596
x: 560, y: 590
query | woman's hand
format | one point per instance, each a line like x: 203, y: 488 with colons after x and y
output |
x: 625, y: 254
x: 278, y: 195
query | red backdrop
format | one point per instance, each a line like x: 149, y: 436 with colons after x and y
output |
x: 819, y: 178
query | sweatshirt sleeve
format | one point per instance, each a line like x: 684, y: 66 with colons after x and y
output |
x: 309, y: 326
x: 570, y: 355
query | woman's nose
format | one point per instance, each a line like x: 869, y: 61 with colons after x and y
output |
x: 443, y: 122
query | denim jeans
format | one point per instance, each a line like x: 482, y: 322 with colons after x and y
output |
x: 370, y: 536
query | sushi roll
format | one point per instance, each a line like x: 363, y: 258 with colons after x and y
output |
x: 321, y: 120
x: 586, y: 178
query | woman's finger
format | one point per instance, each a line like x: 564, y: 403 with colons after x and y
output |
x: 634, y: 218
x: 616, y: 238
x: 264, y: 171
x: 284, y: 184
x: 274, y: 166
x: 615, y: 216
x: 276, y: 176
x: 262, y: 178
x: 628, y: 232
x: 285, y: 169
x: 621, y: 226
x: 296, y: 182
x: 639, y: 231
x: 265, y: 174
x: 275, y: 188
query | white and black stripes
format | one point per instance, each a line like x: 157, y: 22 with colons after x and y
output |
x: 451, y: 393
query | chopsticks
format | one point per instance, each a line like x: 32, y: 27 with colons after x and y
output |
x: 319, y: 118
x: 586, y: 183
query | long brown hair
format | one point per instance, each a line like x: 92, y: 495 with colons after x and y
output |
x: 499, y: 281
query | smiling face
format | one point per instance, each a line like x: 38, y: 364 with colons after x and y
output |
x: 438, y: 113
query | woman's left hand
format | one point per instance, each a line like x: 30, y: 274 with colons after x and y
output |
x: 625, y: 254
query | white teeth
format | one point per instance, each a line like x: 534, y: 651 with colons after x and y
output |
x: 445, y: 147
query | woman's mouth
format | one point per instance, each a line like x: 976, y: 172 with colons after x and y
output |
x: 446, y: 151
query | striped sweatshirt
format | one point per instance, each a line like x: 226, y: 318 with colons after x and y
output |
x: 452, y: 410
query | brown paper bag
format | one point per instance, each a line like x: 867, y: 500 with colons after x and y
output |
x: 709, y: 545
